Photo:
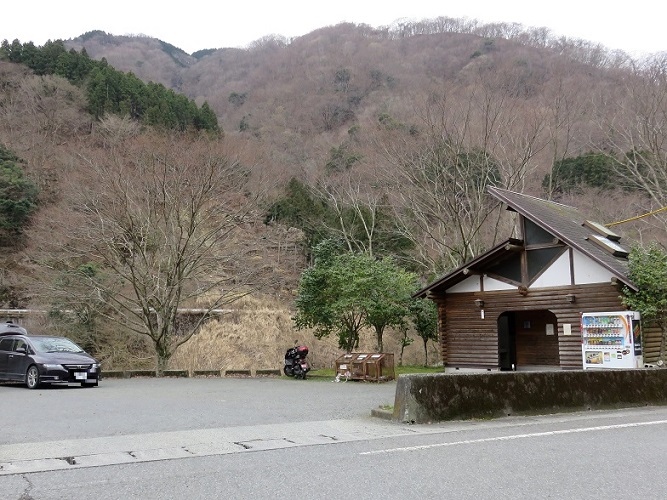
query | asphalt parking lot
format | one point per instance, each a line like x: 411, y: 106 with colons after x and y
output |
x: 140, y: 405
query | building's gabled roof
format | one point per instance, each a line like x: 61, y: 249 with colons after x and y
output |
x: 563, y: 221
x: 494, y: 256
x: 566, y: 223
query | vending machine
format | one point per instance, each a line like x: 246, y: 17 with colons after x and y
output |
x: 611, y: 340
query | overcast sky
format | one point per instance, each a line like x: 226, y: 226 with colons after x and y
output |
x: 636, y: 27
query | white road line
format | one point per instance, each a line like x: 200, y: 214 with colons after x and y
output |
x: 515, y: 436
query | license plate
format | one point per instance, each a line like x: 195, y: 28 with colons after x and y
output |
x: 80, y: 375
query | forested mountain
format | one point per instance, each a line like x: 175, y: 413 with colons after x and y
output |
x: 384, y: 138
x: 302, y: 96
x: 554, y: 117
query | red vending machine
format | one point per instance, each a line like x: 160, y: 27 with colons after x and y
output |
x: 611, y: 340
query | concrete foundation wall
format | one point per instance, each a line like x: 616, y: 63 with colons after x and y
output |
x: 422, y: 398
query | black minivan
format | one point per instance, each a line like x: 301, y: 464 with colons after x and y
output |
x: 41, y: 359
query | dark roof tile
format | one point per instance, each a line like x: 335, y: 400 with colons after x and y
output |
x: 566, y: 223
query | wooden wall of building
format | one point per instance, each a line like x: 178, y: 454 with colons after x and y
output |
x: 533, y: 345
x: 469, y: 340
x: 653, y: 342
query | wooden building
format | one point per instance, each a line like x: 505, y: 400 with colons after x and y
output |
x: 519, y: 305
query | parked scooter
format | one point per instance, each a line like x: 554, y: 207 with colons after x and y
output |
x: 295, y: 362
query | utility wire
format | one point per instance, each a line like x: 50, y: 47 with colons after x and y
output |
x: 635, y: 218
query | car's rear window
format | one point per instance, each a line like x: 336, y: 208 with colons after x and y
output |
x: 54, y: 344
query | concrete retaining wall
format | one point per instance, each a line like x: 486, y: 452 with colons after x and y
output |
x: 422, y: 398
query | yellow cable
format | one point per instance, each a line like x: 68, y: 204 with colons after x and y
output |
x: 635, y: 218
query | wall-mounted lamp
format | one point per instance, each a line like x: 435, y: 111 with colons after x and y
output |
x: 570, y: 297
x: 479, y: 303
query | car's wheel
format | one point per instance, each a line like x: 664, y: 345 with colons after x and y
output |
x: 32, y: 377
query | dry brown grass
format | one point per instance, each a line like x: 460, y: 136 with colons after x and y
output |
x: 256, y: 334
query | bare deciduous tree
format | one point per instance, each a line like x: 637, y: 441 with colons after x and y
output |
x: 354, y: 210
x: 637, y: 130
x: 468, y: 140
x: 634, y: 124
x: 160, y: 228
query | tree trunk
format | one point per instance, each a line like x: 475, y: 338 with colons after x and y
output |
x: 426, y: 352
x: 378, y: 333
x: 349, y: 341
x: 162, y: 356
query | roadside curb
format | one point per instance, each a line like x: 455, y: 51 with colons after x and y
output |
x: 245, y: 373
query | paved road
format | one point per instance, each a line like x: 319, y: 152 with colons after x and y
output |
x: 219, y: 438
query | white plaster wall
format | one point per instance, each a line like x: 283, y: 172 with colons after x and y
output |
x: 491, y: 284
x: 588, y: 271
x: 470, y: 284
x: 558, y: 273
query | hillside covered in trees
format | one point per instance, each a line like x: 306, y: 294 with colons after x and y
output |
x: 383, y: 139
x: 557, y: 117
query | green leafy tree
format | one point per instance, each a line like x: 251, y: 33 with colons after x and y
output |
x: 300, y: 208
x: 206, y: 118
x: 424, y: 316
x: 341, y: 158
x: 332, y: 294
x: 74, y: 66
x: 12, y: 51
x: 45, y: 59
x: 345, y: 292
x: 587, y: 170
x: 648, y: 271
x: 112, y: 91
x: 18, y: 198
x: 389, y: 297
